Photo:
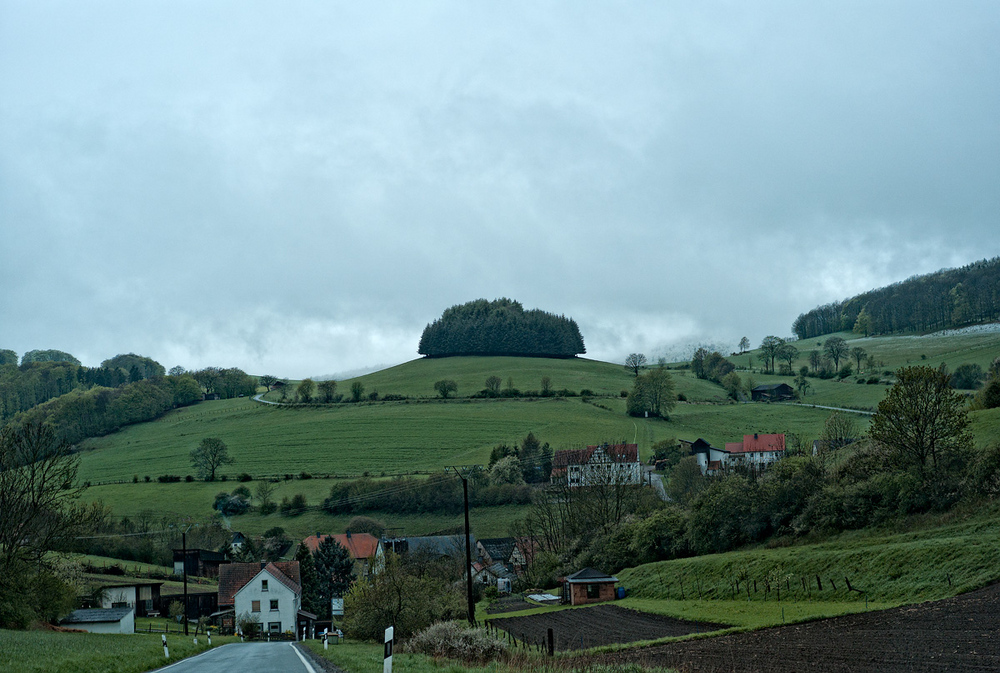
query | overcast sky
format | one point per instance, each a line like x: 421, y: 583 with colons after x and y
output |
x: 298, y: 188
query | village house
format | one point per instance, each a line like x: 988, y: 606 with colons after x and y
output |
x: 757, y: 451
x: 588, y: 586
x: 605, y: 464
x: 364, y: 548
x: 268, y: 593
x: 710, y: 459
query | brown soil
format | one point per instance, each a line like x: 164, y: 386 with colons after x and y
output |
x: 957, y: 634
x: 597, y: 625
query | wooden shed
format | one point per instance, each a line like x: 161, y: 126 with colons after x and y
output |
x: 588, y: 586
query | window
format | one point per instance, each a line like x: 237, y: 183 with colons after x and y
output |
x: 274, y: 604
x: 274, y: 627
x: 254, y: 606
x: 593, y: 591
x: 263, y: 585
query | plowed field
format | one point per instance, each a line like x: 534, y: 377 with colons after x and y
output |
x: 957, y: 634
x: 598, y: 625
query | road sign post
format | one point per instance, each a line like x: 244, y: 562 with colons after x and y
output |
x: 387, y: 660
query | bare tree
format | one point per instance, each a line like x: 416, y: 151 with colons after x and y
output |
x: 634, y: 362
x: 744, y: 345
x: 836, y: 348
x: 860, y: 355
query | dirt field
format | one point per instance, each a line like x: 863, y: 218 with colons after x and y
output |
x: 957, y: 634
x: 598, y: 625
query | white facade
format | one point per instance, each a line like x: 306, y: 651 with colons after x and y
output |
x: 602, y: 469
x: 271, y: 601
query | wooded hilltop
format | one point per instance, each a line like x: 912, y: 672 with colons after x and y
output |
x: 501, y: 327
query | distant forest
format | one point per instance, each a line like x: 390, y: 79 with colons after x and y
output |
x: 501, y: 327
x: 943, y: 300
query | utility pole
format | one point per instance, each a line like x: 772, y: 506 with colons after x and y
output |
x: 184, y: 544
x: 468, y: 551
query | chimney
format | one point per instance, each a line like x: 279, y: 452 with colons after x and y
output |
x: 348, y: 535
x: 755, y: 435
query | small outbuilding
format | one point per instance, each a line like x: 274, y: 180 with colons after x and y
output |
x: 772, y: 392
x: 102, y: 620
x: 588, y: 586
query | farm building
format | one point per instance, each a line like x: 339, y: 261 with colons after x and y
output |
x: 199, y: 562
x: 588, y: 586
x: 605, y: 464
x: 143, y: 597
x: 102, y: 620
x: 430, y: 546
x: 772, y: 392
x: 710, y: 459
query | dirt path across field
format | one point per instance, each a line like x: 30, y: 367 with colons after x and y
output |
x: 957, y: 634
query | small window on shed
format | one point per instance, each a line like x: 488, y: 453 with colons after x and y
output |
x: 593, y: 591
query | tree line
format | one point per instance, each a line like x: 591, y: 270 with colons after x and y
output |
x: 52, y: 387
x: 946, y: 299
x: 500, y: 327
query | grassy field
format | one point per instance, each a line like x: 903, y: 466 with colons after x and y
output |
x: 941, y: 559
x: 48, y: 652
x: 426, y: 434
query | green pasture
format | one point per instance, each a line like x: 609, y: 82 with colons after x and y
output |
x: 381, y: 437
x: 194, y: 500
x: 49, y: 652
x: 941, y: 560
x: 893, y: 352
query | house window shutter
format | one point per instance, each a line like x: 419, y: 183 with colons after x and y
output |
x: 254, y: 606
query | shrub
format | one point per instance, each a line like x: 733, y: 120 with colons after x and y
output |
x: 266, y: 508
x: 393, y: 397
x: 294, y: 507
x: 623, y: 393
x: 586, y: 392
x: 147, y: 478
x: 135, y: 479
x: 244, y: 477
x: 189, y: 478
x: 168, y: 478
x: 242, y: 491
x: 457, y: 641
x: 305, y: 475
x: 681, y: 397
x: 231, y: 505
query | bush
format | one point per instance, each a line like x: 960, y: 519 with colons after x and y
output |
x: 231, y: 505
x: 393, y: 397
x: 189, y: 478
x: 681, y: 397
x: 454, y: 640
x: 586, y: 392
x: 305, y: 475
x: 267, y: 508
x: 244, y: 477
x: 168, y: 478
x: 294, y: 507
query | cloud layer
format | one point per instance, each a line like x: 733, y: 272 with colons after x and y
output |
x: 299, y: 189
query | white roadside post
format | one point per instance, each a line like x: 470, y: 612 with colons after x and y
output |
x: 166, y: 652
x: 387, y: 661
x: 209, y: 634
x: 326, y: 636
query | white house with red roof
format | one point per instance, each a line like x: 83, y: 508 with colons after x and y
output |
x: 604, y: 464
x: 757, y: 450
x: 269, y: 593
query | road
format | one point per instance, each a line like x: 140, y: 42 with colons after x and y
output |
x: 245, y: 658
x: 819, y: 406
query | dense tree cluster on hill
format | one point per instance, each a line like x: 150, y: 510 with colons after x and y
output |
x: 942, y: 300
x: 52, y: 387
x: 500, y: 327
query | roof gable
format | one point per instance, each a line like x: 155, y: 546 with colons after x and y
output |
x: 235, y: 576
x: 360, y: 545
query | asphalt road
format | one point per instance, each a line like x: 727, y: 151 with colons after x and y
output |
x: 245, y: 658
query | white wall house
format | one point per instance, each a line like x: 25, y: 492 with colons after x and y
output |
x: 607, y: 464
x: 272, y: 598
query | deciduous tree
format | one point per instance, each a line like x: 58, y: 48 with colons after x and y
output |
x: 327, y: 390
x: 446, y: 388
x: 305, y: 390
x: 836, y: 349
x: 211, y: 454
x: 769, y: 350
x: 635, y: 362
x: 652, y: 393
x: 923, y: 422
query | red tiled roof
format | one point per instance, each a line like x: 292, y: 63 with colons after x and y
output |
x: 234, y: 576
x: 758, y: 443
x: 619, y: 453
x: 360, y: 545
x: 734, y: 447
